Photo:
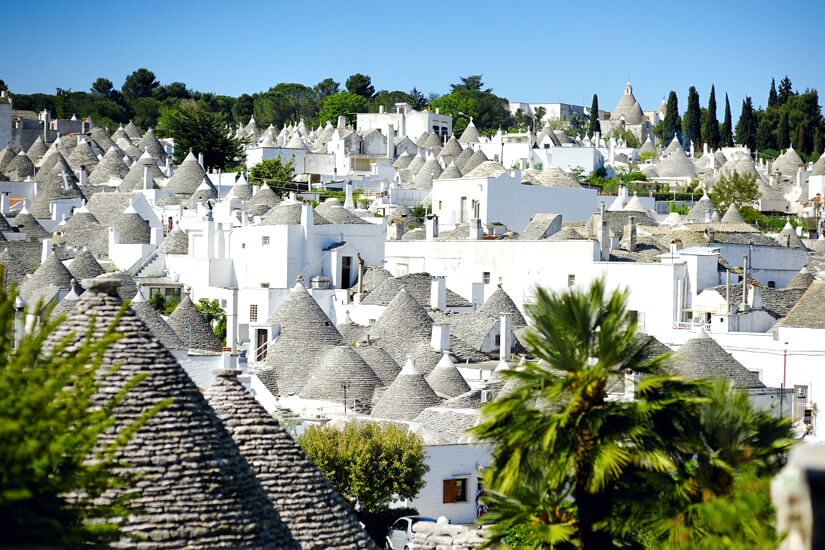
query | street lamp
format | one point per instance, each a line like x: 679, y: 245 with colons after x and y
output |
x: 345, y: 384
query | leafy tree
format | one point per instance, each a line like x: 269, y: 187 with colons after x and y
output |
x: 785, y: 91
x: 417, y: 99
x: 175, y: 90
x: 565, y: 458
x: 272, y: 172
x: 63, y: 103
x: 343, y: 103
x: 672, y: 123
x: 360, y: 84
x: 740, y: 190
x: 747, y: 125
x: 140, y: 83
x: 726, y: 132
x: 103, y: 86
x: 158, y: 302
x: 171, y: 303
x: 540, y: 113
x: 50, y: 418
x: 203, y: 132
x: 489, y: 111
x: 772, y: 98
x: 215, y: 315
x: 470, y: 83
x: 710, y: 131
x: 388, y: 100
x: 692, y: 123
x: 594, y: 125
x: 3, y: 86
x: 783, y: 131
x: 283, y: 103
x: 368, y: 463
x: 325, y: 88
x: 243, y: 109
x: 146, y: 112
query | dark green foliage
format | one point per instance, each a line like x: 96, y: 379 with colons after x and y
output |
x: 215, y: 315
x: 243, y: 109
x: 158, y: 302
x: 368, y: 463
x: 146, y: 112
x: 692, y: 123
x: 140, y: 83
x: 772, y: 99
x: 103, y: 86
x: 361, y: 84
x: 489, y: 111
x: 171, y: 303
x: 49, y: 424
x: 417, y: 99
x: 710, y: 128
x: 326, y: 87
x: 783, y: 131
x: 726, y: 131
x: 283, y: 103
x: 780, y: 123
x: 740, y: 190
x: 785, y: 91
x: 3, y: 86
x: 672, y: 124
x: 343, y: 104
x: 203, y: 132
x: 594, y: 125
x: 388, y: 100
x: 272, y: 172
x: 746, y: 127
x: 175, y: 90
x: 63, y: 103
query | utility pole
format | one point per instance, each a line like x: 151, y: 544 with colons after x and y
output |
x: 345, y: 385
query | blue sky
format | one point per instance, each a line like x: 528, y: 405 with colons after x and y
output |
x: 527, y: 51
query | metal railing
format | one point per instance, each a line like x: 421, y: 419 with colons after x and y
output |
x: 689, y: 325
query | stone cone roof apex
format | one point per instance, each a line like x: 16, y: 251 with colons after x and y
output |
x: 409, y: 367
x: 445, y: 361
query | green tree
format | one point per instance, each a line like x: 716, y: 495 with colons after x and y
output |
x: 417, y: 99
x: 672, y: 123
x: 325, y: 88
x: 540, y: 113
x: 489, y: 111
x: 361, y: 84
x: 783, y: 131
x: 215, y: 315
x: 726, y: 131
x: 283, y: 103
x: 3, y: 86
x: 102, y: 86
x: 736, y: 189
x: 243, y: 109
x: 203, y: 132
x: 63, y: 103
x: 472, y: 83
x: 572, y: 465
x: 343, y: 103
x: 594, y: 125
x: 140, y: 83
x: 785, y: 91
x: 175, y: 90
x: 772, y: 98
x: 272, y: 172
x: 692, y: 123
x: 747, y: 125
x: 710, y: 130
x: 146, y: 112
x: 388, y: 99
x: 368, y: 463
x: 50, y: 418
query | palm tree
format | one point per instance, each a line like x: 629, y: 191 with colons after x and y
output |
x: 566, y: 458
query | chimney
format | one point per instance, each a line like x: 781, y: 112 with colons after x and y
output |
x: 604, y: 236
x: 342, y: 121
x: 403, y: 128
x: 676, y: 246
x: 441, y: 337
x: 505, y: 342
x: 727, y: 290
x: 475, y: 232
x: 348, y: 202
x: 745, y: 306
x: 631, y: 379
x: 380, y: 109
x: 83, y: 175
x: 390, y: 142
x: 395, y: 231
x: 200, y: 159
x: 755, y: 301
x: 168, y: 167
x: 431, y: 227
x: 630, y: 235
x: 438, y: 294
x: 147, y: 175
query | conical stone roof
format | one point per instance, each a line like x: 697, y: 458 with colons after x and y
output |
x: 241, y: 190
x: 341, y: 364
x: 314, y: 513
x: 37, y: 149
x: 634, y: 205
x: 421, y: 139
x: 110, y: 167
x: 186, y: 320
x: 788, y: 162
x: 445, y: 379
x: 7, y: 154
x: 433, y: 141
x: 401, y: 326
x: 14, y: 271
x: 51, y: 272
x: 702, y: 357
x: 126, y: 286
x: 84, y: 229
x: 425, y: 176
x: 176, y: 242
x: 151, y: 145
x: 379, y: 361
x: 133, y: 228
x: 132, y: 132
x: 26, y: 223
x: 305, y: 334
x: 407, y: 396
x: 732, y: 215
x: 789, y: 238
x: 451, y: 172
x: 403, y: 161
x: 676, y: 165
x: 801, y: 280
x: 134, y: 179
x: 474, y: 162
x: 20, y: 167
x: 452, y: 147
x: 700, y: 211
x: 82, y: 155
x: 193, y: 488
x: 416, y: 164
x: 159, y: 328
x: 289, y: 213
x: 85, y: 266
x: 647, y: 147
x: 102, y: 139
x: 463, y: 157
x: 818, y: 169
x: 470, y: 134
x: 500, y: 302
x: 188, y: 177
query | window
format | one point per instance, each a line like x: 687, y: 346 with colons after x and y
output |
x: 223, y: 304
x: 571, y: 280
x: 771, y: 284
x: 253, y: 313
x: 485, y: 277
x: 455, y: 490
x: 243, y: 245
x: 265, y: 240
x: 439, y: 205
x: 498, y: 340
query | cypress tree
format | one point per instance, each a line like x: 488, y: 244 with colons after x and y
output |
x: 692, y: 123
x: 710, y: 132
x: 672, y: 123
x: 726, y: 139
x: 785, y: 91
x: 783, y: 131
x: 594, y: 117
x: 801, y: 139
x: 772, y: 99
x: 746, y: 127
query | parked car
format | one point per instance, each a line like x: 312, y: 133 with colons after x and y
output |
x: 400, y: 534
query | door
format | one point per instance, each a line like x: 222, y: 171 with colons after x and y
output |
x: 260, y: 344
x: 399, y: 534
x: 346, y: 266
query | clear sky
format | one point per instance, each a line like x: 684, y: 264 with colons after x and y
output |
x: 545, y: 51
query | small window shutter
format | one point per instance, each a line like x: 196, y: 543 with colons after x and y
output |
x: 449, y: 491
